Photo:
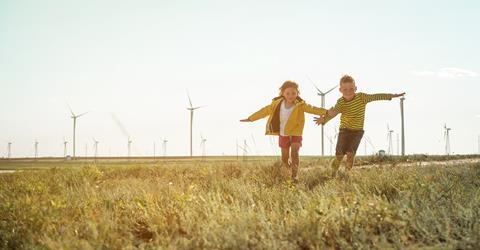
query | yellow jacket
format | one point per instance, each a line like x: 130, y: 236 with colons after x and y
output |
x: 295, y: 122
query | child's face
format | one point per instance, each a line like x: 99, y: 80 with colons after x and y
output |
x: 348, y: 90
x: 290, y: 94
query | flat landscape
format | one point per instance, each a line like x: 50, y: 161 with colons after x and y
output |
x: 225, y: 202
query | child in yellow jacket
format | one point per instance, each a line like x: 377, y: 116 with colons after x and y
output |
x: 286, y: 118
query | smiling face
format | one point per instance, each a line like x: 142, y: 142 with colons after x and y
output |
x: 348, y: 90
x: 290, y: 94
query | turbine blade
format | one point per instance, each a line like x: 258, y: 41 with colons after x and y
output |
x: 83, y: 114
x: 120, y: 125
x: 71, y: 111
x: 189, y: 100
x: 319, y: 91
x: 331, y: 89
x: 194, y: 108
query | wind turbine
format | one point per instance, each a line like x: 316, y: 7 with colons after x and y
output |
x: 446, y: 136
x: 9, y: 149
x: 95, y: 147
x: 164, y: 146
x: 74, y: 117
x: 192, y: 109
x: 202, y: 145
x: 36, y: 149
x: 332, y: 141
x: 129, y: 147
x: 245, y: 149
x: 124, y: 131
x: 154, y: 150
x: 331, y: 144
x: 322, y: 96
x: 64, y: 147
x: 371, y: 144
x: 255, y: 145
x: 389, y: 138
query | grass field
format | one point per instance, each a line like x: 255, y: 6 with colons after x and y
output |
x: 225, y: 203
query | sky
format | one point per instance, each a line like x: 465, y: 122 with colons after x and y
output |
x: 137, y: 59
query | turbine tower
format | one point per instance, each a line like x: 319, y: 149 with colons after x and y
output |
x: 129, y: 147
x: 74, y: 117
x: 446, y: 136
x: 389, y: 138
x: 154, y: 150
x: 202, y: 145
x: 164, y: 146
x: 95, y: 147
x: 192, y: 109
x: 64, y: 147
x: 322, y: 96
x: 9, y: 150
x: 36, y: 149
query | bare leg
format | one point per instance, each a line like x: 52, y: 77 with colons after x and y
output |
x: 285, y: 156
x: 350, y: 160
x: 335, y: 164
x: 295, y: 160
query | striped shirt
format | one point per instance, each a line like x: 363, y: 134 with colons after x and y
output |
x: 353, y: 111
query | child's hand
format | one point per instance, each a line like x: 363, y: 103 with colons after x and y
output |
x: 398, y: 95
x: 245, y: 120
x: 319, y: 120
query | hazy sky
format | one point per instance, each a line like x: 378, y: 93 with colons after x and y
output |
x: 137, y: 58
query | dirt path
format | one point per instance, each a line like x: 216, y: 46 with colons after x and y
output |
x: 7, y: 171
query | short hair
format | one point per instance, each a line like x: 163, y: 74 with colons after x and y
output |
x: 346, y: 79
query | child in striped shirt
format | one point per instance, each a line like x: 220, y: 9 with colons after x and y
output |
x: 352, y: 106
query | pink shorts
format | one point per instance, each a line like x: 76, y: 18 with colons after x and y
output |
x: 286, y: 141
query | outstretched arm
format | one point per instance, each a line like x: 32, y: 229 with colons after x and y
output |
x: 321, y: 120
x: 265, y: 111
x: 314, y: 110
x: 379, y: 97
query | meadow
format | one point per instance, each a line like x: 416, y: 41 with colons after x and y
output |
x: 225, y: 203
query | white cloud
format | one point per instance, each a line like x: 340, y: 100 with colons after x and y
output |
x: 423, y: 73
x: 449, y: 72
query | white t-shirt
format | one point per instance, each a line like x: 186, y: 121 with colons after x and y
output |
x: 284, y: 115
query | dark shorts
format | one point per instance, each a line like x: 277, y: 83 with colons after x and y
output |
x: 348, y: 141
x: 286, y: 141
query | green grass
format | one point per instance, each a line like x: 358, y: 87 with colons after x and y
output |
x: 230, y: 204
